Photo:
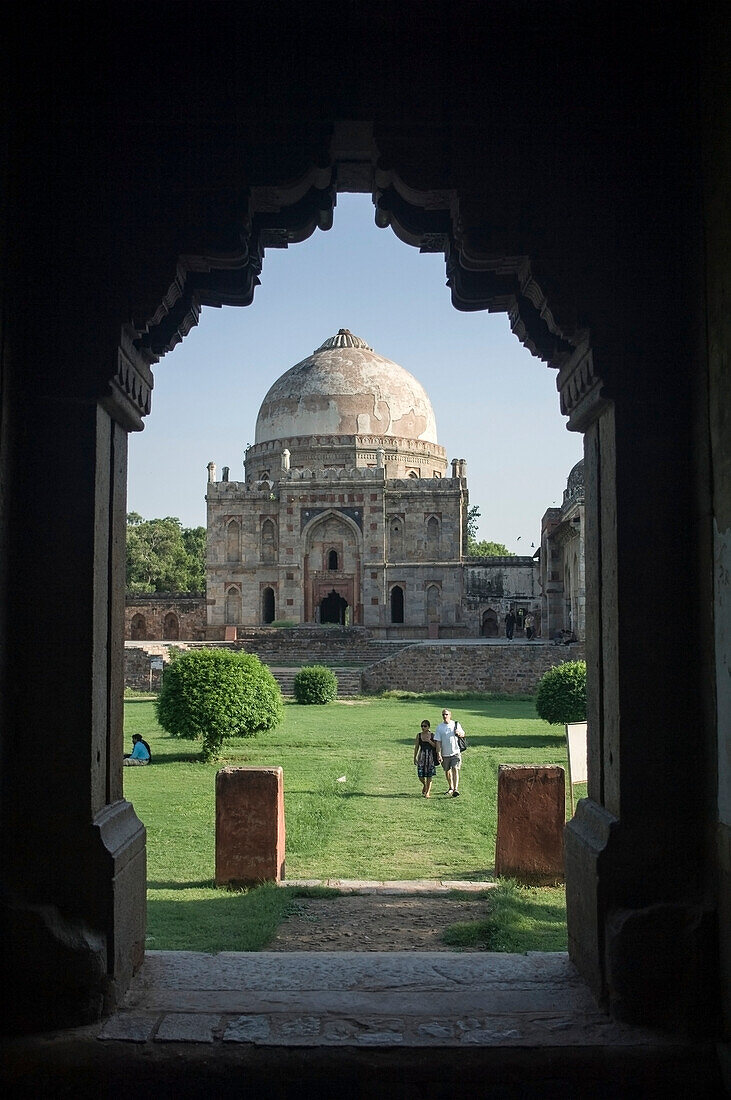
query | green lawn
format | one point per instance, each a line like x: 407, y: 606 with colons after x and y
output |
x: 375, y: 824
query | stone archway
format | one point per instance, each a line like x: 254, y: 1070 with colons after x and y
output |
x: 604, y: 283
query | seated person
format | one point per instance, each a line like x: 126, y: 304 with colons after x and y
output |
x: 140, y: 752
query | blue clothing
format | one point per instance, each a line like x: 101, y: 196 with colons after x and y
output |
x: 139, y: 752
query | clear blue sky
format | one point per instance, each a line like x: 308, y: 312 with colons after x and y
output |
x: 495, y: 404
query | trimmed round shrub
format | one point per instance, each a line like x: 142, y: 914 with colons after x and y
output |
x: 209, y: 695
x: 315, y: 684
x: 561, y: 695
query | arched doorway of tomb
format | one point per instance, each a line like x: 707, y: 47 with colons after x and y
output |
x: 171, y: 627
x: 138, y: 628
x: 332, y: 563
x: 397, y: 604
x: 267, y: 605
x: 489, y: 623
x: 334, y: 609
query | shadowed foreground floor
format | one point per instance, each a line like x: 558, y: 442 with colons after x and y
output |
x: 389, y: 1024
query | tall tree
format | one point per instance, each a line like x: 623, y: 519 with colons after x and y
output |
x: 483, y: 548
x: 164, y: 556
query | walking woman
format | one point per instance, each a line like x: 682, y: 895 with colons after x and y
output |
x: 426, y: 757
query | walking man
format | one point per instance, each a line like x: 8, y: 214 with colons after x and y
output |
x: 446, y: 735
x: 509, y: 625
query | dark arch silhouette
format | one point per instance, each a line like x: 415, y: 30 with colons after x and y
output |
x: 333, y: 608
x: 397, y: 604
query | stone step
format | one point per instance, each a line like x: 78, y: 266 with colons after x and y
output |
x: 349, y: 679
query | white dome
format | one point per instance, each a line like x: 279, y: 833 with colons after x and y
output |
x: 345, y: 388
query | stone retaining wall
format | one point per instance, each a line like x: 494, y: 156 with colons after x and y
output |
x: 165, y: 616
x: 512, y: 669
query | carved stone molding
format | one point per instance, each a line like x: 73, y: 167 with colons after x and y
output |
x: 276, y: 217
x: 479, y: 277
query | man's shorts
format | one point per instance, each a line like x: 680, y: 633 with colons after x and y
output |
x: 449, y: 762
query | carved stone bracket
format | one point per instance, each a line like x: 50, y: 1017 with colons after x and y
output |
x: 276, y: 218
x: 130, y: 390
x: 478, y: 279
x: 582, y: 391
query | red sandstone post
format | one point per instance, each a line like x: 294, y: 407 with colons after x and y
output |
x: 531, y: 814
x: 249, y: 826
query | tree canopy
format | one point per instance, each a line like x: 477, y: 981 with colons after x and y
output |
x: 164, y: 556
x: 483, y: 548
x: 209, y: 695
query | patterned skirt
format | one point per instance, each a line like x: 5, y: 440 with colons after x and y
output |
x: 426, y: 762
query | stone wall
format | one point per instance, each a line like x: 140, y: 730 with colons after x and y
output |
x: 513, y: 669
x: 165, y: 616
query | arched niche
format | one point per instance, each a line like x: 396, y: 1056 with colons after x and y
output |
x: 138, y: 627
x: 171, y: 627
x: 233, y: 540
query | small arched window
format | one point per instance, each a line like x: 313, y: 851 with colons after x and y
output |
x: 233, y: 540
x: 397, y: 604
x: 332, y: 559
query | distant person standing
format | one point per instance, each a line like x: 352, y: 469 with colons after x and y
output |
x: 509, y: 625
x: 446, y: 735
x: 529, y: 622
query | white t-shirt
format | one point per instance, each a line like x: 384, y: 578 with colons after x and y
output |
x: 446, y: 733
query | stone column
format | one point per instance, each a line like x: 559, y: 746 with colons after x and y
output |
x: 640, y: 930
x: 75, y: 875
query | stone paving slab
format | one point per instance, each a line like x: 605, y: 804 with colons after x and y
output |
x: 405, y: 886
x: 188, y: 1027
x: 131, y: 1027
x: 378, y: 971
x: 366, y: 999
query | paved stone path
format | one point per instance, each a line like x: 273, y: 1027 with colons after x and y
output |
x: 377, y: 999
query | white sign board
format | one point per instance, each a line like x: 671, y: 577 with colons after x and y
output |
x: 157, y: 663
x: 576, y: 749
x: 577, y: 753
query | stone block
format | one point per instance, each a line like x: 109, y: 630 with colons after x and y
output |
x: 249, y: 826
x: 531, y: 816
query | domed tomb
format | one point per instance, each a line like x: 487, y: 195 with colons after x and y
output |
x: 339, y: 406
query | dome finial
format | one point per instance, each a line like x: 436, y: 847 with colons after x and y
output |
x: 344, y: 339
